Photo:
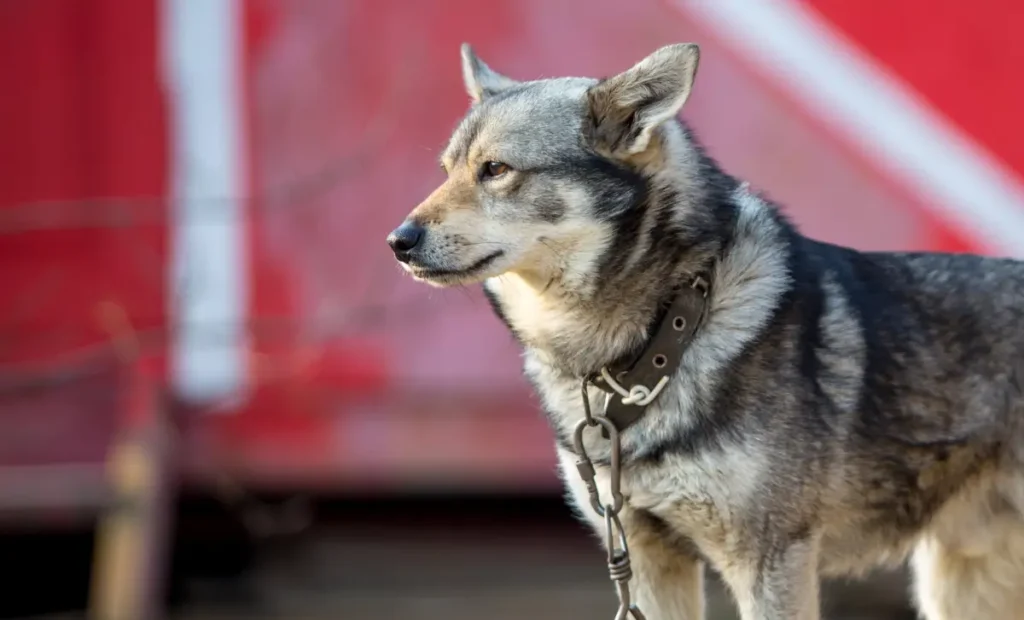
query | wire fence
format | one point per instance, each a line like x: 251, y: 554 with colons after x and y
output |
x: 140, y: 228
x: 370, y: 309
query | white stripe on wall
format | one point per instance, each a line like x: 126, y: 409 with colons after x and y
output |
x: 202, y: 52
x: 876, y: 113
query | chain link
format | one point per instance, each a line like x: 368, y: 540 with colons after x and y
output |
x: 619, y: 566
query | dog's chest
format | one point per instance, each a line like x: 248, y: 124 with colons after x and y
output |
x: 702, y: 497
x: 698, y: 494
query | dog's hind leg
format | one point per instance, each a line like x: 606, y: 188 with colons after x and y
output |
x: 976, y: 573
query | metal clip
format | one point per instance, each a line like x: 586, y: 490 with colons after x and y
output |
x: 586, y: 468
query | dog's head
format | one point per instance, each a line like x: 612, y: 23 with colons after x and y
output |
x: 536, y: 170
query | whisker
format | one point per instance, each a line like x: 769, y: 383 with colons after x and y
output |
x: 476, y: 243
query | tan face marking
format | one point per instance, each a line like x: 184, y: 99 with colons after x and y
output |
x: 458, y: 192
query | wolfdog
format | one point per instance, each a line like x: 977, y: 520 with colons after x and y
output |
x: 828, y: 411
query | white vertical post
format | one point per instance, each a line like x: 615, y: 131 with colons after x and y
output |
x: 876, y: 113
x: 208, y: 287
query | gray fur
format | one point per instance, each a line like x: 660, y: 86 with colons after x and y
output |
x: 837, y: 410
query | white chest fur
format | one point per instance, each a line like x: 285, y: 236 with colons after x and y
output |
x: 700, y: 497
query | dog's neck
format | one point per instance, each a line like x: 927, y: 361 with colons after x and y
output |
x: 577, y: 334
x: 583, y: 320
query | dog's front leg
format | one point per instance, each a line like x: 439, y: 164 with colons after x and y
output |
x: 668, y: 583
x: 782, y: 584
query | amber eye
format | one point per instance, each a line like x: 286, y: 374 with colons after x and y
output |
x: 494, y: 169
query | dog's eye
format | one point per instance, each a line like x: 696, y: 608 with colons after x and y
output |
x: 494, y: 169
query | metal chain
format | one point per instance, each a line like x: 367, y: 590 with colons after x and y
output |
x: 619, y: 568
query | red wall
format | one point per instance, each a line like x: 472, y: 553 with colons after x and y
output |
x: 965, y: 58
x: 363, y: 378
x: 84, y: 173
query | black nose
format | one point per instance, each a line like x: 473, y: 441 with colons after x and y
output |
x: 405, y: 238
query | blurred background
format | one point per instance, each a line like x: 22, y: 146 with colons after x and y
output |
x: 219, y: 397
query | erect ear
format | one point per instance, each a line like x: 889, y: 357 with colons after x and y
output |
x: 627, y: 108
x: 481, y: 81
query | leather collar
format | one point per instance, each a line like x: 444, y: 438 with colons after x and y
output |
x: 646, y: 375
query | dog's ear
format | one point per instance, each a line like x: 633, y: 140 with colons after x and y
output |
x: 481, y: 81
x: 626, y: 109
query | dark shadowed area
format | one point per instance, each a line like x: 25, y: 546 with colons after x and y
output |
x: 408, y: 559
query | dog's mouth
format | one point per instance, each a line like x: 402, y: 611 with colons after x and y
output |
x: 453, y: 275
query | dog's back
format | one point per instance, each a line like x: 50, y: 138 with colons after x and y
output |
x: 944, y: 340
x: 912, y: 359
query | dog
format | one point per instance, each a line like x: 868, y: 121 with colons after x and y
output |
x: 833, y: 411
